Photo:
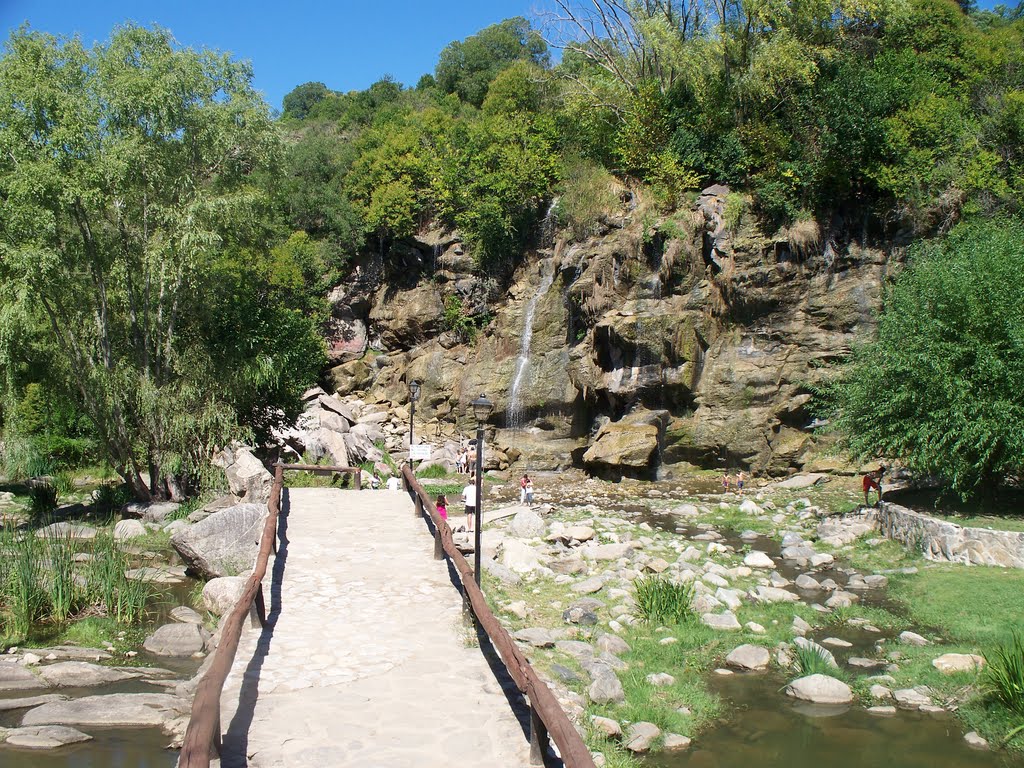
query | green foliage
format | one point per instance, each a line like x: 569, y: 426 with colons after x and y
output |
x: 43, y: 497
x: 457, y: 321
x: 941, y: 385
x: 811, y: 660
x: 127, y: 177
x: 662, y: 601
x: 299, y: 101
x: 467, y: 67
x: 588, y: 192
x: 433, y: 472
x: 1004, y: 674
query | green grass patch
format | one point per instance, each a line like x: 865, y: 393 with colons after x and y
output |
x: 433, y: 472
x: 662, y: 601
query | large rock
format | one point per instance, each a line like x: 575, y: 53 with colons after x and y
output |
x: 225, y: 543
x: 527, y: 524
x: 66, y: 530
x: 519, y: 557
x: 820, y: 689
x: 952, y: 663
x: 42, y: 736
x: 177, y: 640
x: 150, y: 512
x: 247, y: 478
x: 723, y: 621
x: 606, y: 689
x: 129, y: 529
x: 640, y: 736
x: 749, y: 657
x: 14, y: 677
x: 81, y: 674
x: 757, y: 559
x: 221, y: 594
x: 115, y: 709
x: 773, y: 595
x: 623, y: 445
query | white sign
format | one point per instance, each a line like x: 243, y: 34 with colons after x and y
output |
x: 420, y: 452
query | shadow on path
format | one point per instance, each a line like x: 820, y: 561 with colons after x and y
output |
x: 234, y: 752
x: 517, y: 701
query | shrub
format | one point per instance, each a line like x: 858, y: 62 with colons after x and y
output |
x: 813, y: 660
x: 662, y: 601
x: 1004, y: 674
x: 42, y: 500
x: 589, y: 192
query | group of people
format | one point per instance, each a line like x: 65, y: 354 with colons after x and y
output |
x: 465, y: 461
x: 525, y: 489
x: 728, y: 481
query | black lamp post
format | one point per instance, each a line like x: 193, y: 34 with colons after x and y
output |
x: 481, y: 409
x: 414, y: 395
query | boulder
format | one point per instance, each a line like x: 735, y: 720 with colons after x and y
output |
x: 749, y: 657
x: 519, y: 557
x: 952, y: 663
x: 579, y: 533
x: 773, y: 595
x: 621, y: 445
x: 675, y: 742
x: 115, y: 709
x: 912, y: 638
x: 608, y: 727
x: 221, y: 594
x: 607, y: 551
x: 810, y: 645
x: 14, y: 677
x: 820, y: 689
x: 225, y: 543
x: 640, y: 736
x: 538, y: 637
x: 81, y: 674
x: 606, y: 689
x: 177, y: 640
x: 43, y: 737
x: 527, y: 524
x: 612, y: 644
x: 186, y: 615
x: 975, y: 741
x: 129, y: 529
x: 723, y: 621
x: 799, y: 482
x: 247, y: 478
x: 150, y: 512
x: 911, y: 698
x: 757, y: 559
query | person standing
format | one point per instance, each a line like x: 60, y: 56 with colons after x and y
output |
x: 523, y: 482
x: 469, y: 499
x: 529, y: 492
x: 869, y: 481
x: 394, y: 483
x: 442, y: 507
x: 739, y: 482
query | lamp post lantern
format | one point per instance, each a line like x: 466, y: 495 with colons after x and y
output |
x: 481, y: 410
x: 414, y: 395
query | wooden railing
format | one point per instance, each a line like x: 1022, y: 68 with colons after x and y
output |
x: 547, y: 718
x: 203, y: 736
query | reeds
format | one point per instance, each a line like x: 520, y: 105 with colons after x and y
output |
x: 1004, y: 674
x: 813, y: 660
x: 662, y: 601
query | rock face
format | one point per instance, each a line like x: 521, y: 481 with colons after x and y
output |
x: 820, y: 689
x: 225, y: 543
x: 248, y: 479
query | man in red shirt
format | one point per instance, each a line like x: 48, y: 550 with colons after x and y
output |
x: 872, y: 480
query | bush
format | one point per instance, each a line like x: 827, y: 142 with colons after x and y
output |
x: 588, y: 192
x: 1004, y: 674
x: 43, y: 498
x: 662, y: 601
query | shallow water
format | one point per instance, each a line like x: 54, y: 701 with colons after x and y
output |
x: 770, y: 730
x: 110, y: 748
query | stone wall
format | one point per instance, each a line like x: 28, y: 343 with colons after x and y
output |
x: 941, y: 540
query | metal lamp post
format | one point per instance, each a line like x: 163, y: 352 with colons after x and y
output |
x: 414, y: 395
x: 481, y: 409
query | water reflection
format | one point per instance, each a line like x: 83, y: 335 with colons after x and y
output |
x: 113, y: 748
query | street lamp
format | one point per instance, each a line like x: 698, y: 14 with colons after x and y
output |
x: 481, y: 409
x: 414, y: 395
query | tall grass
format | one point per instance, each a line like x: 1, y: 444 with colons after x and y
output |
x: 119, y: 597
x: 64, y: 594
x: 662, y: 601
x: 23, y: 590
x: 433, y: 472
x: 21, y: 458
x: 813, y: 660
x: 1004, y: 674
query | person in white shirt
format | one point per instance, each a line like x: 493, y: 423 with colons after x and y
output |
x: 394, y: 484
x: 469, y: 498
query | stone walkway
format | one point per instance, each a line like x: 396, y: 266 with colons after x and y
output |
x: 366, y: 660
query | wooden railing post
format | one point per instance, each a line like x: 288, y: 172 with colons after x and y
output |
x: 438, y: 545
x: 418, y: 506
x: 538, y: 738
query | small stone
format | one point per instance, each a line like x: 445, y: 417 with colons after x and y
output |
x: 722, y: 621
x: 803, y: 581
x: 800, y: 626
x: 912, y: 638
x: 722, y: 672
x: 675, y: 742
x: 887, y: 709
x: 668, y: 640
x: 836, y: 642
x: 30, y: 659
x: 975, y: 741
x: 607, y: 726
x: 660, y: 679
x: 749, y: 657
x: 910, y: 698
x: 641, y: 736
x: 952, y: 663
x: 880, y: 692
x: 757, y: 559
x: 753, y: 626
x: 606, y: 689
x: 820, y: 689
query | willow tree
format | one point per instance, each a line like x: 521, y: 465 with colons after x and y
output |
x: 124, y: 175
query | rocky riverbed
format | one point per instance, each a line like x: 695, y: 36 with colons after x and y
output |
x: 771, y: 573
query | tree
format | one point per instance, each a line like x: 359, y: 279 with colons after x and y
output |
x: 125, y: 175
x: 299, y: 101
x: 942, y: 387
x: 468, y: 67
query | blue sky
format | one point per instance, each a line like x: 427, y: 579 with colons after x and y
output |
x: 344, y: 43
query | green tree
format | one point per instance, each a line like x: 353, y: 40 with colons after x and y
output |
x: 300, y: 100
x: 467, y: 67
x: 943, y: 385
x: 125, y: 173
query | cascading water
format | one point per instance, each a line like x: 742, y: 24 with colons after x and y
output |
x: 514, y: 413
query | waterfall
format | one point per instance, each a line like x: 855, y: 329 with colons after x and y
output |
x: 549, y: 225
x: 514, y: 413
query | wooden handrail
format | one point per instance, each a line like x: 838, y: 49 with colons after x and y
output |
x: 547, y: 713
x: 202, y: 737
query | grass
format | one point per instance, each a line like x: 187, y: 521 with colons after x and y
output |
x: 812, y: 660
x: 433, y: 472
x: 1004, y: 674
x: 662, y: 601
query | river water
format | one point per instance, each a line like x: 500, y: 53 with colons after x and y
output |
x: 113, y: 748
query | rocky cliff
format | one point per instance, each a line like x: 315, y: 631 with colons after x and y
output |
x: 656, y: 343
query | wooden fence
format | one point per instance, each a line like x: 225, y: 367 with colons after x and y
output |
x: 203, y: 736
